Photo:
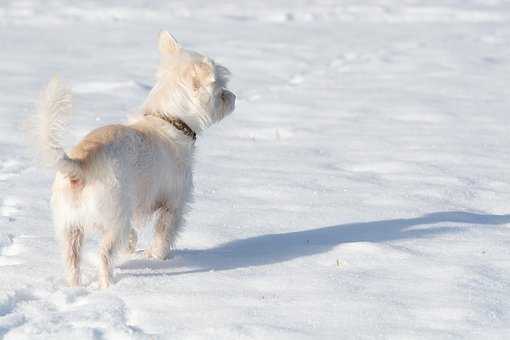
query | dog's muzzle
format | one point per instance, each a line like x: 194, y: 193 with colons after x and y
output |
x: 229, y: 99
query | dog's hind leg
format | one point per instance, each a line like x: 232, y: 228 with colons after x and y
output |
x: 133, y: 240
x: 115, y: 238
x: 165, y: 233
x: 73, y: 241
x: 106, y: 251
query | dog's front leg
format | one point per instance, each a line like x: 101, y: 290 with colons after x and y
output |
x: 73, y: 242
x: 165, y: 233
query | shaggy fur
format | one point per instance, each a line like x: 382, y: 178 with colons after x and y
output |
x: 120, y: 175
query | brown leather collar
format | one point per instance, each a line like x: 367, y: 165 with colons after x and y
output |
x: 177, y: 123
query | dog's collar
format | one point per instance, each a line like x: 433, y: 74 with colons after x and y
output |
x: 177, y: 123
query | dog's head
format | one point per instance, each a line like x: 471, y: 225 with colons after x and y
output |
x: 190, y: 86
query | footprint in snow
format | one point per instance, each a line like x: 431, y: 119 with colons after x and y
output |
x: 297, y: 79
x: 10, y: 168
x: 40, y: 313
x: 9, y: 250
x: 9, y: 207
x: 9, y: 317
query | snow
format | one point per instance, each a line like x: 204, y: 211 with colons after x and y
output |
x: 360, y: 190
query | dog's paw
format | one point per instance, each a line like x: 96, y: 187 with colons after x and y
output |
x: 105, y: 282
x: 73, y: 282
x: 157, y: 253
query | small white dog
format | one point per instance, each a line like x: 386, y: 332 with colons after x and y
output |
x: 119, y: 175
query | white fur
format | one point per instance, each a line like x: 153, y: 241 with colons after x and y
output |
x: 120, y: 175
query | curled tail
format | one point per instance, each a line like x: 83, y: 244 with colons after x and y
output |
x: 51, y: 119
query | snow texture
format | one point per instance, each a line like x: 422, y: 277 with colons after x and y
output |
x: 361, y: 189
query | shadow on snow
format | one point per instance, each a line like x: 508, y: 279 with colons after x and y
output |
x: 274, y: 248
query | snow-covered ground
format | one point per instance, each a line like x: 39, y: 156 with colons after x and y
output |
x: 361, y: 189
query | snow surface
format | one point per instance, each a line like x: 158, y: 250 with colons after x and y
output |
x: 361, y: 189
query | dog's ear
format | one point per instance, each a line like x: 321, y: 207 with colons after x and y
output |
x: 167, y: 44
x: 203, y: 74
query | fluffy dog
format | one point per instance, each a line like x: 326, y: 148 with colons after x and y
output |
x: 119, y: 175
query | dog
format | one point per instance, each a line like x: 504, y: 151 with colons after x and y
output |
x: 119, y: 175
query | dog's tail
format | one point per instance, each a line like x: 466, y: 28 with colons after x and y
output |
x: 51, y: 119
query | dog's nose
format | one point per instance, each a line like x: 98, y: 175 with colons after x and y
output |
x: 231, y: 100
x: 227, y: 95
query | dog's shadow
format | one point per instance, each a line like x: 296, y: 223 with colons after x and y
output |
x: 275, y: 248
